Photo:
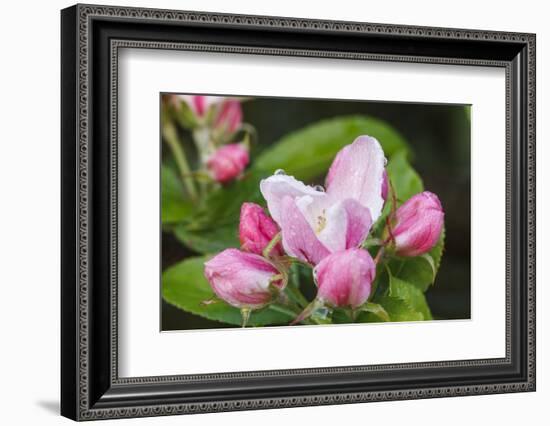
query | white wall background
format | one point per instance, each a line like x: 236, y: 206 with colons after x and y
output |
x: 29, y: 211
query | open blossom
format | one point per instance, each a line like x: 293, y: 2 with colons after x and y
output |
x: 316, y: 223
x: 418, y: 226
x: 257, y: 229
x: 242, y: 279
x: 344, y: 278
x: 228, y: 162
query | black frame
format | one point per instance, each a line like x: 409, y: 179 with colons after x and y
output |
x: 91, y: 36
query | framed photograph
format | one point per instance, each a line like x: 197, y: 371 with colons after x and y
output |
x: 263, y: 212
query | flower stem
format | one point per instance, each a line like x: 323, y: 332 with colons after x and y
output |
x: 393, y: 200
x: 205, y: 147
x: 171, y: 138
x: 245, y: 315
x: 250, y: 134
x: 274, y: 241
x: 307, y: 312
x: 290, y: 312
x: 379, y: 255
x: 297, y: 295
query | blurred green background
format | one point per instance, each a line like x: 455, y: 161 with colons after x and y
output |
x: 439, y: 136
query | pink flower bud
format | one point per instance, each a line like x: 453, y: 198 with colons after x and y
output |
x: 256, y: 230
x: 228, y: 162
x: 229, y: 117
x: 200, y: 104
x: 419, y: 222
x: 242, y: 279
x: 344, y: 278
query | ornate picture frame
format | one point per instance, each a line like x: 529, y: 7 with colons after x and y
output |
x: 91, y: 37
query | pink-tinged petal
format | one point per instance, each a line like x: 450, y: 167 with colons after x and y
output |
x: 358, y: 172
x: 256, y: 230
x: 385, y: 185
x: 241, y: 279
x: 299, y: 239
x: 275, y: 188
x: 419, y: 222
x: 228, y: 162
x: 344, y: 278
x: 359, y: 222
x: 347, y: 225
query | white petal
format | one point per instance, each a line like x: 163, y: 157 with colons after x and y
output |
x: 347, y: 225
x: 277, y: 187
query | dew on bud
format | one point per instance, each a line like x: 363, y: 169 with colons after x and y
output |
x: 280, y: 172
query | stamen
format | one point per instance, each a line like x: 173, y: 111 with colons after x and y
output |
x: 321, y: 223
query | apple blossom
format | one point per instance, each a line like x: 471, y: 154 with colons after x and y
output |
x: 315, y: 223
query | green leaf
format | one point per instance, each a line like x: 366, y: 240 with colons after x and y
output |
x: 341, y: 316
x: 417, y: 270
x: 184, y: 286
x: 376, y: 309
x: 215, y: 225
x: 185, y: 116
x: 209, y: 240
x: 429, y: 259
x: 399, y: 310
x: 411, y: 295
x: 174, y: 205
x: 224, y: 204
x: 404, y: 178
x: 308, y: 152
x: 295, y: 296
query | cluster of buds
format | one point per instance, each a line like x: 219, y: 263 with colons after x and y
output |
x: 214, y: 121
x: 252, y: 277
x: 326, y: 229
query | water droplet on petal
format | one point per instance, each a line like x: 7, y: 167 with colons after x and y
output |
x: 319, y: 188
x: 280, y: 172
x: 385, y: 161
